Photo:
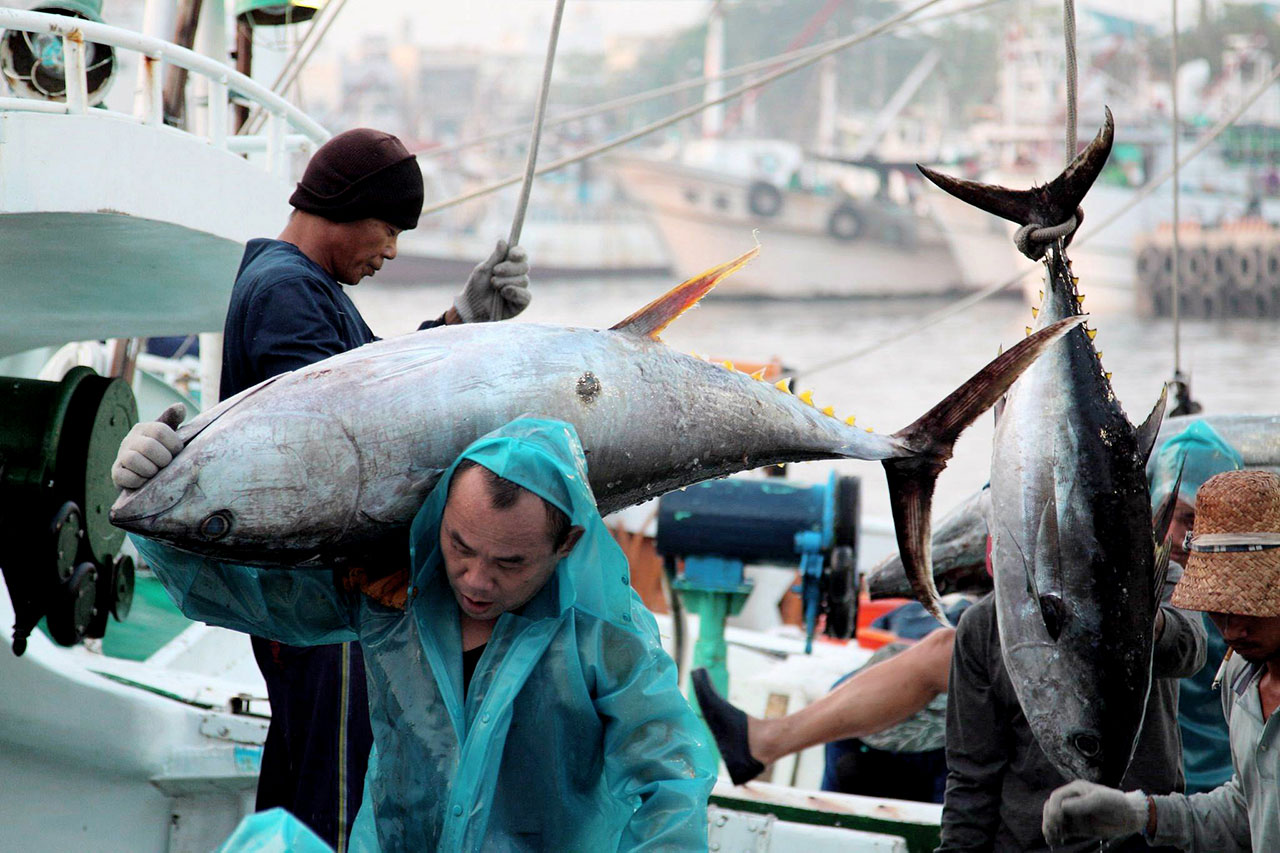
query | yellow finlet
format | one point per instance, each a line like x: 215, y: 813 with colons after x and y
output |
x: 869, y: 429
x: 1042, y: 296
x: 1080, y: 299
x: 806, y: 397
x: 759, y: 374
x: 1092, y: 333
x: 650, y: 320
x: 1028, y: 332
x: 1075, y: 279
x: 1035, y: 312
x: 783, y: 385
x: 1099, y: 353
x: 850, y: 421
x: 1108, y: 375
x: 829, y: 411
x: 727, y: 365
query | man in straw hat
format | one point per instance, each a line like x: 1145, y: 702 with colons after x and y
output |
x: 1233, y: 574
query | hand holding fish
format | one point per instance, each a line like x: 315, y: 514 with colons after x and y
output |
x: 1082, y: 811
x: 147, y: 448
x: 498, y: 288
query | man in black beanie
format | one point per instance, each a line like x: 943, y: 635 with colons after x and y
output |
x: 288, y: 310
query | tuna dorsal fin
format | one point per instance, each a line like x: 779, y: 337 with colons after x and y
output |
x: 1046, y: 559
x: 650, y: 320
x: 1051, y: 204
x: 1146, y: 434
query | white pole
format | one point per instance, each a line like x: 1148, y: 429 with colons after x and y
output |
x: 712, y: 67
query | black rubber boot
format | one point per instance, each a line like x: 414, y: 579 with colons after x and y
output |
x: 728, y: 726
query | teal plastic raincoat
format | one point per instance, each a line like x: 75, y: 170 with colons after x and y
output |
x: 573, y: 735
x: 1206, y: 747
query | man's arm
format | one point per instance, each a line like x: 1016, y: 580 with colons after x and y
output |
x: 977, y: 740
x: 1181, y: 646
x: 302, y: 607
x: 655, y: 748
x: 1216, y: 821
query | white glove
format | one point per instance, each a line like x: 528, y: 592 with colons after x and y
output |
x: 498, y: 288
x: 147, y: 448
x: 1081, y: 811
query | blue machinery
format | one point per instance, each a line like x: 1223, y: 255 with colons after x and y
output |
x: 720, y: 527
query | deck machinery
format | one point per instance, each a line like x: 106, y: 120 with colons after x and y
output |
x: 719, y: 527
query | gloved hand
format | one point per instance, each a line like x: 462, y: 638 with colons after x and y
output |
x: 1081, y: 811
x: 147, y: 448
x: 498, y: 288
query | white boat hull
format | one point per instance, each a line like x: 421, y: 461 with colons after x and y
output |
x: 704, y: 218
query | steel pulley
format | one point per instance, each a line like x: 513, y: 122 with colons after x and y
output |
x: 58, y: 550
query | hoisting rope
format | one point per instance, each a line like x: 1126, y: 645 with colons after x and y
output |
x: 1033, y: 240
x: 675, y: 88
x: 1181, y: 384
x: 531, y: 162
x: 1140, y: 196
x: 836, y: 46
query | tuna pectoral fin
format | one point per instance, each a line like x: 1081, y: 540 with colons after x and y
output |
x: 650, y: 320
x: 1046, y: 560
x: 927, y: 445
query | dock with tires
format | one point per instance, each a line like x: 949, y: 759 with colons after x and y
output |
x: 1232, y: 270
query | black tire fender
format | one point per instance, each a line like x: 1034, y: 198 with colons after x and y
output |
x: 764, y: 199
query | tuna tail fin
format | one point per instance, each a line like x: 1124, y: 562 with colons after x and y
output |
x: 650, y: 320
x: 1051, y: 204
x: 928, y: 443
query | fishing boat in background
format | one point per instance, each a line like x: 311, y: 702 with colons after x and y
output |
x: 830, y: 228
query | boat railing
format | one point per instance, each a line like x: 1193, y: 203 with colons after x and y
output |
x: 287, y: 128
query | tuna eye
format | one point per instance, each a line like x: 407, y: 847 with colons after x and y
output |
x: 1088, y: 745
x: 216, y: 525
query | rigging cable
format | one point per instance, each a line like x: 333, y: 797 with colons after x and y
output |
x: 675, y: 88
x: 1141, y: 195
x: 837, y: 45
x: 1182, y: 402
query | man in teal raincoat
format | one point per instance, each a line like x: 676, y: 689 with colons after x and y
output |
x: 519, y: 694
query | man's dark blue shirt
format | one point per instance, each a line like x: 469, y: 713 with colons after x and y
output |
x: 286, y: 312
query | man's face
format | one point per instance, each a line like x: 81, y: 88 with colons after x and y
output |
x: 496, y: 559
x: 359, y: 249
x: 1254, y: 638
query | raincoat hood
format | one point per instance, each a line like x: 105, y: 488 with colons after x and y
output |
x: 545, y: 457
x: 1201, y: 453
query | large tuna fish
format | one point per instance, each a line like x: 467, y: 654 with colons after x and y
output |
x: 1072, y: 550
x: 322, y: 465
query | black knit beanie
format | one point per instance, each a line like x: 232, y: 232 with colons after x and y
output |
x: 362, y: 174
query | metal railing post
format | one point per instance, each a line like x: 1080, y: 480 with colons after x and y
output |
x: 218, y: 112
x: 77, y: 84
x: 155, y: 90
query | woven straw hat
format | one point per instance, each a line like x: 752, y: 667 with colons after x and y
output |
x: 1234, y: 562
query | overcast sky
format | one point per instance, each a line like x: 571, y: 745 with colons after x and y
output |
x: 525, y: 24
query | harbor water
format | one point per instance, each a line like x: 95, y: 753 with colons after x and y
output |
x: 1232, y: 363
